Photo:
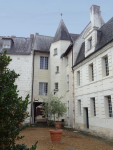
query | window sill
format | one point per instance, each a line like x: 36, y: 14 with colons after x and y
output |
x: 42, y: 95
x: 55, y: 89
x: 55, y: 54
x: 56, y: 72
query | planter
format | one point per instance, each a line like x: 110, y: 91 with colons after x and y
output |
x: 58, y: 125
x: 55, y: 135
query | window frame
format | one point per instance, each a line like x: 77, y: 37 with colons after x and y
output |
x: 55, y: 51
x: 56, y: 85
x: 6, y: 46
x: 78, y: 78
x: 42, y: 89
x: 110, y: 112
x: 91, y: 72
x: 44, y: 63
x: 105, y: 66
x: 57, y: 69
x: 79, y: 108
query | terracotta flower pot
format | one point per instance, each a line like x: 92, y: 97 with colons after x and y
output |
x: 58, y: 125
x: 55, y: 135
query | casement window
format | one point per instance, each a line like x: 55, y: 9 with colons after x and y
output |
x: 78, y: 78
x: 110, y: 112
x: 106, y: 66
x: 93, y: 107
x: 57, y: 69
x: 44, y: 63
x: 91, y: 72
x: 67, y: 82
x: 55, y: 51
x: 90, y: 43
x: 67, y: 61
x: 79, y: 107
x: 43, y: 89
x: 56, y: 86
x: 6, y: 43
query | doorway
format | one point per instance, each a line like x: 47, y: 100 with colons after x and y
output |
x: 86, y: 118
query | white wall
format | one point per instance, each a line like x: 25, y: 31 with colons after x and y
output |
x: 99, y: 88
x: 22, y: 64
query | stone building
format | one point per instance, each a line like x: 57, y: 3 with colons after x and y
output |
x: 76, y: 66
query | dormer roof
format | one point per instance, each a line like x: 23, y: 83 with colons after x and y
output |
x: 62, y: 33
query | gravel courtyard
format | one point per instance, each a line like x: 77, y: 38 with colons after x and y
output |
x: 42, y: 135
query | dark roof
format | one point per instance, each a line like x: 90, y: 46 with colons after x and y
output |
x: 42, y: 43
x: 20, y: 45
x: 105, y: 34
x: 74, y: 36
x: 67, y: 51
x: 81, y: 54
x: 104, y: 37
x: 62, y: 33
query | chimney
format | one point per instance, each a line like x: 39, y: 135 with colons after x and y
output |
x: 31, y: 35
x: 13, y: 36
x: 95, y: 16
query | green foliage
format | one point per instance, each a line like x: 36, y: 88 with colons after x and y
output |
x: 24, y: 147
x: 53, y: 106
x: 13, y: 110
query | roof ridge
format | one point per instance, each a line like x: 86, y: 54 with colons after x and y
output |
x: 46, y: 36
x: 74, y: 33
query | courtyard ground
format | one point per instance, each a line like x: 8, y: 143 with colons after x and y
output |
x: 81, y: 142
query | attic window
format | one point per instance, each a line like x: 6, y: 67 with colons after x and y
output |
x: 6, y: 43
x: 90, y: 43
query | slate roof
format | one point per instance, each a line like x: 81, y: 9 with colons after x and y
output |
x: 104, y: 37
x: 20, y: 45
x: 74, y: 36
x: 42, y: 43
x: 105, y: 34
x: 62, y: 33
x: 81, y: 54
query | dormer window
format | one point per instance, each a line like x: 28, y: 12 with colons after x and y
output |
x: 90, y: 43
x: 7, y: 44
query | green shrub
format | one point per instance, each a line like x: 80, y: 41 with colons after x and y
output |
x: 13, y: 110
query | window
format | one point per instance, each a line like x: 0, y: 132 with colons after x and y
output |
x: 90, y: 43
x: 78, y: 78
x: 91, y: 72
x: 55, y: 51
x: 67, y: 82
x: 66, y: 60
x: 57, y: 69
x: 44, y: 63
x: 43, y: 89
x: 7, y: 44
x: 93, y: 107
x: 106, y: 66
x: 79, y: 107
x: 56, y: 86
x: 110, y: 107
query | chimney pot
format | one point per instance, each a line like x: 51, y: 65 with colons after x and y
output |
x: 13, y: 36
x: 31, y: 35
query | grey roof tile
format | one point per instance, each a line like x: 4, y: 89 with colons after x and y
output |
x: 20, y: 45
x: 42, y: 43
x: 81, y: 54
x: 62, y: 33
x: 105, y: 34
x: 74, y: 36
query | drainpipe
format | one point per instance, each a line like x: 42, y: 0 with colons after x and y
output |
x: 32, y: 107
x: 73, y: 92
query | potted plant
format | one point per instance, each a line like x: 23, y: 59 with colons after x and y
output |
x: 53, y: 107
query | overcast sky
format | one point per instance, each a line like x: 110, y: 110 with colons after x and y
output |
x: 25, y: 17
